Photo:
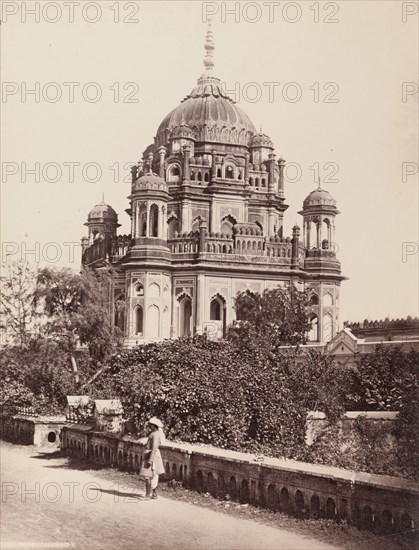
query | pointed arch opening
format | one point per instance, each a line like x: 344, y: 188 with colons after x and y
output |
x: 185, y: 316
x: 154, y: 220
x: 153, y: 322
x: 139, y: 320
x: 313, y: 334
x: 173, y: 228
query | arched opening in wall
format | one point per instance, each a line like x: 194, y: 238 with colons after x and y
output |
x: 326, y: 234
x: 387, y: 522
x: 367, y: 518
x: 328, y: 299
x: 174, y: 471
x: 154, y: 220
x: 327, y: 328
x: 260, y: 226
x: 185, y: 316
x: 206, y: 177
x: 153, y: 290
x: 232, y: 487
x: 250, y: 181
x: 313, y: 334
x: 138, y: 290
x: 314, y: 300
x: 284, y: 499
x: 143, y: 221
x: 173, y: 173
x: 172, y: 228
x: 263, y: 182
x: 139, y: 320
x: 153, y: 322
x: 195, y: 224
x: 315, y: 506
x: 199, y: 176
x: 219, y: 174
x: 271, y: 497
x: 244, y: 491
x: 330, y: 508
x: 257, y: 182
x: 227, y: 223
x: 211, y: 484
x: 229, y: 172
x: 52, y: 437
x: 193, y: 177
x: 299, y: 503
x: 119, y: 310
x: 215, y: 310
x: 406, y: 524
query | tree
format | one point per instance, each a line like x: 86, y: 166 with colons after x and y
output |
x: 18, y: 312
x: 276, y: 317
x: 78, y: 309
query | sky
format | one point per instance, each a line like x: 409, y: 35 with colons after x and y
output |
x: 333, y: 84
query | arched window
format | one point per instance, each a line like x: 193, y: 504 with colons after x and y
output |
x: 199, y: 176
x: 206, y: 176
x: 250, y: 181
x: 257, y: 182
x: 327, y: 328
x: 219, y: 175
x: 192, y: 176
x: 263, y: 182
x: 173, y: 173
x: 139, y: 320
x: 229, y: 172
x: 314, y: 300
x: 313, y: 335
x: 173, y: 228
x: 153, y: 322
x: 154, y: 221
x: 139, y: 290
x: 185, y: 316
x: 143, y: 220
x: 215, y: 310
x: 153, y: 290
x: 328, y: 299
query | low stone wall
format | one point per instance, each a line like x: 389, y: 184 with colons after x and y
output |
x: 42, y: 431
x: 380, y: 503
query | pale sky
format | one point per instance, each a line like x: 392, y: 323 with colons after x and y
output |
x: 367, y: 133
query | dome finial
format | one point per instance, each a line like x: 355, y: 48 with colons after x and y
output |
x: 209, y: 49
x: 103, y: 198
x: 319, y: 188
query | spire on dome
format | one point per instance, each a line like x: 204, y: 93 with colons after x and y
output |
x: 209, y: 49
x: 103, y: 198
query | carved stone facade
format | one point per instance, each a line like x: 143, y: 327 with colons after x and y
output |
x: 207, y: 208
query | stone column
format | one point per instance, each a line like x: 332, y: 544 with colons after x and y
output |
x: 162, y: 154
x: 246, y: 167
x: 295, y: 260
x: 186, y: 170
x: 213, y: 166
x: 137, y: 220
x: 271, y: 184
x: 185, y: 216
x: 281, y: 164
x: 308, y: 244
x: 200, y: 302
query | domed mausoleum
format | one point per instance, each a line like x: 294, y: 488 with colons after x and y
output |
x: 207, y: 209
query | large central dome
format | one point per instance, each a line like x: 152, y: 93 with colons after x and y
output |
x: 208, y: 112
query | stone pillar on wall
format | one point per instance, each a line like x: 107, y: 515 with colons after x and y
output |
x: 162, y: 154
x: 281, y: 164
x: 200, y: 302
x: 295, y: 247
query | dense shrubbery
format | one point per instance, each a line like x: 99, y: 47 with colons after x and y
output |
x: 248, y: 392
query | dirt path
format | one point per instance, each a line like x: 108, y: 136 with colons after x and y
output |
x: 43, y: 501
